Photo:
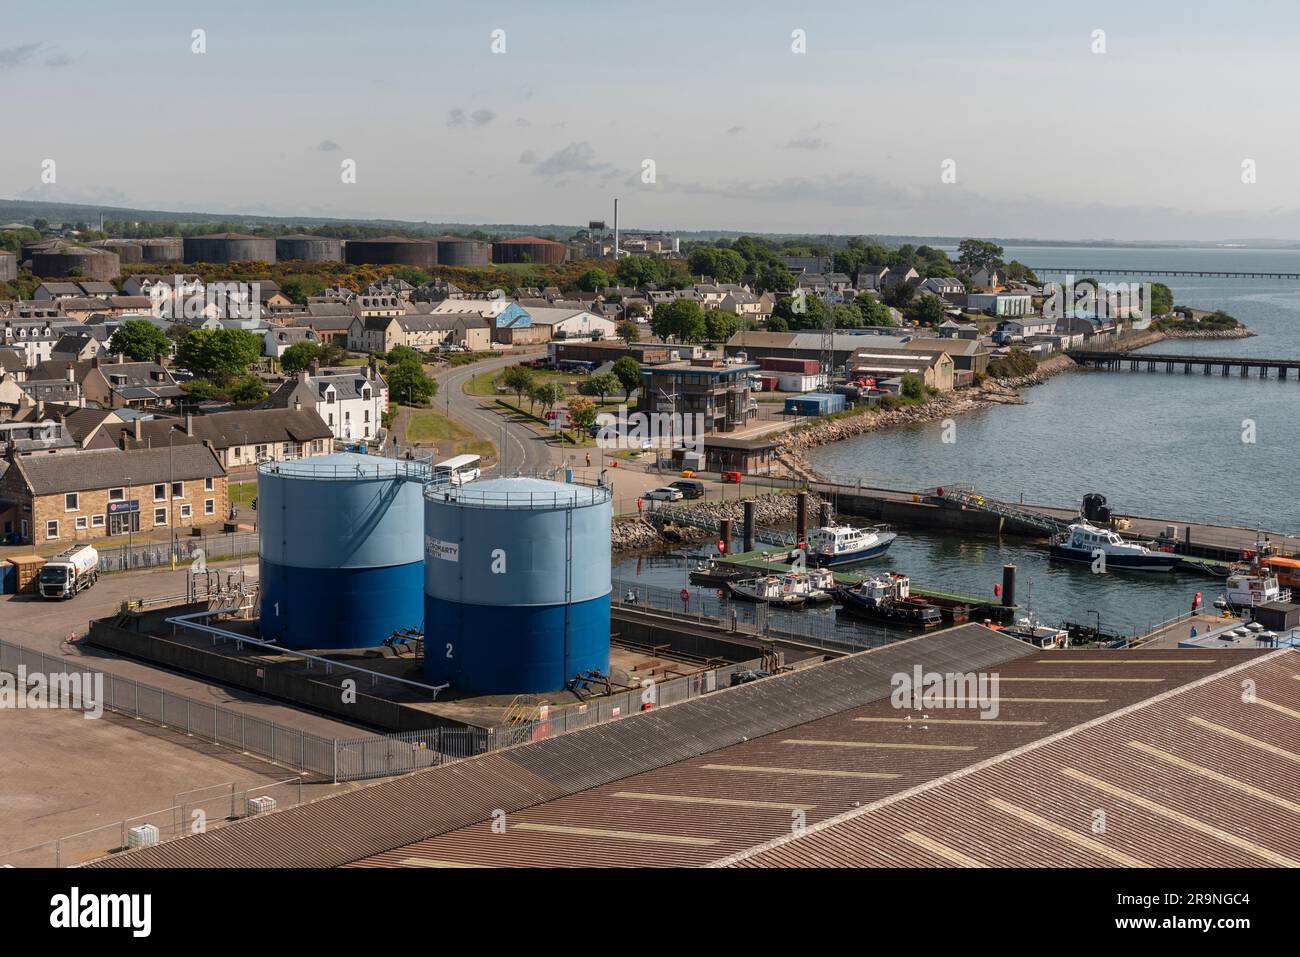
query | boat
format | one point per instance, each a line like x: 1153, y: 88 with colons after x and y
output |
x: 1084, y: 543
x: 842, y: 544
x: 887, y: 598
x: 1036, y: 633
x: 1248, y: 585
x: 713, y: 572
x: 790, y: 590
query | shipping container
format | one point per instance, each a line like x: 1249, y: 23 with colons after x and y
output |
x: 780, y: 364
x: 814, y: 404
x: 798, y: 382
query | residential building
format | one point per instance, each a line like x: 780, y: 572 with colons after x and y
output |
x: 280, y: 338
x: 352, y: 402
x: 240, y: 439
x: 117, y: 384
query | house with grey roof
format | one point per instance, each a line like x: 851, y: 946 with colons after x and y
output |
x: 352, y: 402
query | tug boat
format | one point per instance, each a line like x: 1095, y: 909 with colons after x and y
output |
x: 712, y: 572
x: 1082, y: 542
x: 790, y: 590
x: 887, y: 598
x: 842, y: 544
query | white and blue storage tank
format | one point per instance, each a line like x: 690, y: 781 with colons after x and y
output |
x: 342, y: 554
x: 517, y: 584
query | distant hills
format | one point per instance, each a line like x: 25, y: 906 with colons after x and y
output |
x: 15, y: 210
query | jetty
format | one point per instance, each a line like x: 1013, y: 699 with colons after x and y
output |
x: 1115, y: 361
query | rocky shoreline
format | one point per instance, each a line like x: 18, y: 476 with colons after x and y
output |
x: 639, y: 534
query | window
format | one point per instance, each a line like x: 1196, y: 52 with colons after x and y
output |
x: 81, y: 523
x: 316, y: 445
x: 160, y: 516
x: 72, y: 502
x: 51, y: 529
x: 160, y: 492
x: 367, y: 415
x: 329, y: 398
x: 187, y: 511
x: 178, y: 489
x: 97, y: 521
x: 209, y: 484
x: 117, y: 495
x: 209, y: 506
x: 347, y: 416
x: 331, y: 420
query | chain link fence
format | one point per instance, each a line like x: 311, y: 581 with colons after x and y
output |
x: 186, y: 550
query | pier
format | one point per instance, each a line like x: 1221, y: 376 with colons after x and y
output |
x: 1112, y: 361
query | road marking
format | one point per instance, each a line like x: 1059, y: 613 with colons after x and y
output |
x: 941, y: 850
x: 920, y: 720
x: 429, y: 862
x: 1213, y: 775
x: 720, y: 802
x: 1243, y: 738
x: 1179, y: 817
x: 620, y: 835
x: 805, y: 772
x: 1079, y: 840
x: 882, y: 744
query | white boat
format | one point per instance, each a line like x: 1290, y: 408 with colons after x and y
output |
x: 791, y: 589
x: 1085, y: 543
x: 841, y: 544
x: 1250, y: 585
x: 1038, y: 634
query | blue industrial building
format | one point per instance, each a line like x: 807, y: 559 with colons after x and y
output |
x: 342, y: 556
x: 517, y: 584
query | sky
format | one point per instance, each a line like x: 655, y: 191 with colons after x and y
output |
x: 1129, y: 121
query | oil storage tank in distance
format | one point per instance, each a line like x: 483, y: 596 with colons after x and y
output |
x: 517, y: 584
x: 341, y: 549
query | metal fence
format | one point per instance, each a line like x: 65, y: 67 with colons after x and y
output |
x: 141, y: 555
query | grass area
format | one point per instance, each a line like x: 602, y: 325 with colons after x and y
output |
x: 425, y: 425
x: 242, y: 494
x: 354, y: 361
x: 481, y: 384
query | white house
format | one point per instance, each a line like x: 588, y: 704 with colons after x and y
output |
x: 351, y: 401
x: 573, y: 323
x: 280, y: 338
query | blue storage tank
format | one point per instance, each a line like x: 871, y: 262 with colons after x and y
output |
x: 342, y: 556
x: 517, y: 583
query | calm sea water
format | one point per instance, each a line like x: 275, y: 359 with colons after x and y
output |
x: 1168, y: 446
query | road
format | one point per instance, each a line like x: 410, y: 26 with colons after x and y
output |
x: 525, y: 450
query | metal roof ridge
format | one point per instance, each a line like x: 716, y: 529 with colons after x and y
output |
x: 996, y: 759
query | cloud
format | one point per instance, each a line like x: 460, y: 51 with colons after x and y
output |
x: 528, y: 157
x: 328, y: 146
x: 89, y: 195
x: 521, y: 122
x: 574, y: 159
x: 734, y: 130
x: 58, y: 60
x: 482, y: 117
x: 456, y: 118
x: 13, y: 57
x: 807, y: 143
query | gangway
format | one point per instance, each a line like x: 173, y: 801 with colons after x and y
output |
x: 965, y: 496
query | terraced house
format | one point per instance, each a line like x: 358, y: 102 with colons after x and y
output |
x: 51, y: 498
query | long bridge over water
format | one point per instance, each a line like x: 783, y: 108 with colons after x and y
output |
x: 1125, y: 271
x: 1114, y: 360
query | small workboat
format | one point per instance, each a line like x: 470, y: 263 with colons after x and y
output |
x: 887, y: 598
x: 843, y: 544
x: 1248, y: 585
x: 713, y: 572
x: 1086, y: 544
x: 790, y: 590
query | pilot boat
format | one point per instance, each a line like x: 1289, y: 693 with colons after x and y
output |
x: 1251, y: 585
x: 1086, y: 544
x: 791, y: 590
x: 841, y: 544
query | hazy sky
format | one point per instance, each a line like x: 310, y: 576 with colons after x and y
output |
x: 1049, y: 139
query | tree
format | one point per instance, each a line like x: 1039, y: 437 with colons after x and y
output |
x: 724, y: 265
x: 220, y: 355
x: 926, y: 311
x: 846, y: 316
x: 300, y: 288
x: 299, y: 356
x: 199, y: 390
x: 682, y: 319
x: 582, y: 412
x: 247, y: 390
x: 628, y: 372
x: 602, y: 384
x: 801, y: 312
x: 408, y: 384
x: 547, y: 394
x: 976, y: 254
x: 773, y: 277
x: 777, y: 324
x: 140, y: 340
x: 873, y: 311
x: 912, y: 387
x: 629, y: 331
x: 400, y: 354
x: 519, y: 380
x: 594, y: 279
x: 1162, y: 299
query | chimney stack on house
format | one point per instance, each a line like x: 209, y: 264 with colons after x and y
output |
x: 139, y: 431
x: 189, y: 423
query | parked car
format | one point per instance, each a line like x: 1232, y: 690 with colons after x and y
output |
x: 665, y: 494
x: 690, y: 488
x: 731, y: 477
